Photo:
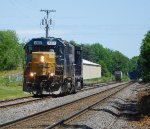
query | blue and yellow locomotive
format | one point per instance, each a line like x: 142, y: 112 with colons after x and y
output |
x: 53, y: 66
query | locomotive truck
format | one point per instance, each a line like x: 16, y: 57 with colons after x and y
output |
x: 53, y: 66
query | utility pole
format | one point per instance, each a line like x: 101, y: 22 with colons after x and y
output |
x: 46, y: 21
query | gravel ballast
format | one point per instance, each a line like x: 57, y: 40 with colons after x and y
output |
x: 11, y: 114
x: 115, y: 113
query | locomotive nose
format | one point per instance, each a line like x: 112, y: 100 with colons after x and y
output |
x: 43, y: 63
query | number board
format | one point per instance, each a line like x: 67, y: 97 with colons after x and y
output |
x: 51, y: 42
x: 37, y: 42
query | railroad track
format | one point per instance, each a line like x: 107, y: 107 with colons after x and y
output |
x: 30, y: 99
x: 53, y: 117
x: 19, y: 101
x: 8, y: 100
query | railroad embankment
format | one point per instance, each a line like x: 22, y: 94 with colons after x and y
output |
x: 143, y: 107
x: 144, y: 101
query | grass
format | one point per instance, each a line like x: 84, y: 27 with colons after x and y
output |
x: 10, y: 72
x: 107, y: 79
x: 10, y: 85
x: 11, y: 92
x: 99, y: 80
x: 91, y: 81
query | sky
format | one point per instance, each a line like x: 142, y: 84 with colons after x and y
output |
x: 116, y: 24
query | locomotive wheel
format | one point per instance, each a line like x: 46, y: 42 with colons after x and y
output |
x: 34, y: 93
x: 38, y: 92
x: 59, y: 91
x: 78, y: 85
x: 73, y: 89
x: 69, y: 87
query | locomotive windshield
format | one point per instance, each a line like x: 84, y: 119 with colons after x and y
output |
x: 38, y: 48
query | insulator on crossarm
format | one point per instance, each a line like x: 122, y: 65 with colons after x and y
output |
x: 50, y: 21
x: 43, y: 21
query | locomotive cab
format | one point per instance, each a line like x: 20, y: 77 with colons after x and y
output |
x: 53, y: 66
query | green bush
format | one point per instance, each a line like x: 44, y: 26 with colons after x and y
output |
x: 11, y: 52
x: 144, y: 60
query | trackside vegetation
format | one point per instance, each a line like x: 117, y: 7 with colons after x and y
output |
x: 109, y: 60
x: 12, y: 60
x: 11, y: 84
x: 11, y: 51
x: 11, y: 65
x: 144, y: 58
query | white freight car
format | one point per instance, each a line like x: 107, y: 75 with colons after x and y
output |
x: 91, y: 70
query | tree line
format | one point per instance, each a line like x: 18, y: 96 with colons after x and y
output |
x: 144, y: 58
x: 12, y: 56
x: 109, y: 60
x: 140, y: 65
x: 11, y: 51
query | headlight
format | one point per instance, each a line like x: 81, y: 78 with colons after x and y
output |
x: 52, y: 74
x: 42, y: 59
x: 31, y: 74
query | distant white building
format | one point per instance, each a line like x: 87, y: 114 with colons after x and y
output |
x: 91, y: 70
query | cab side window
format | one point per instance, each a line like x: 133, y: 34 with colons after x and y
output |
x: 29, y: 50
x: 60, y: 50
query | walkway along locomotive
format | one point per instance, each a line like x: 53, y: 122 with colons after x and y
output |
x: 52, y: 66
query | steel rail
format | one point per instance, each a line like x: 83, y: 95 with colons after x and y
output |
x: 42, y: 98
x: 21, y: 103
x: 8, y: 100
x: 11, y: 123
x: 61, y: 122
